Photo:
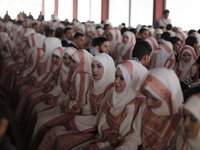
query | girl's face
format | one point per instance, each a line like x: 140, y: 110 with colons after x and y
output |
x: 109, y: 36
x: 152, y: 101
x: 75, y: 64
x: 97, y: 70
x: 125, y: 39
x: 186, y: 57
x: 67, y: 60
x: 120, y: 83
x: 158, y: 36
x: 191, y: 124
x: 56, y: 59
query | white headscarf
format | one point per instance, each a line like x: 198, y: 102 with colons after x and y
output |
x: 151, y: 30
x: 154, y: 46
x: 185, y: 67
x: 83, y: 58
x: 163, y: 83
x: 164, y: 53
x: 132, y: 79
x: 4, y: 37
x: 27, y: 33
x: 98, y: 32
x: 125, y: 47
x: 157, y: 31
x: 182, y: 36
x: 51, y: 43
x: 116, y: 39
x: 108, y: 74
x: 64, y: 70
x: 192, y: 105
x: 36, y: 40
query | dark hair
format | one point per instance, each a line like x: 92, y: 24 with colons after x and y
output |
x: 123, y: 24
x: 165, y: 36
x: 99, y: 41
x: 4, y: 112
x: 133, y: 30
x: 141, y: 49
x: 142, y: 30
x: 123, y: 30
x: 189, y: 92
x: 34, y: 24
x: 190, y: 32
x: 105, y: 26
x: 174, y: 40
x: 198, y: 31
x: 161, y: 27
x: 66, y: 29
x: 169, y: 27
x: 191, y: 40
x: 166, y: 11
x: 59, y: 32
x: 19, y: 22
x: 92, y: 43
x: 77, y: 35
x: 49, y: 32
x: 97, y: 27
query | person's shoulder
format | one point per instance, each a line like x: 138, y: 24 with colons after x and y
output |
x: 72, y: 45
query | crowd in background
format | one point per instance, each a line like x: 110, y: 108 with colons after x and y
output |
x: 81, y: 85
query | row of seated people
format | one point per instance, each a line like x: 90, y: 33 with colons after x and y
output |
x: 72, y: 88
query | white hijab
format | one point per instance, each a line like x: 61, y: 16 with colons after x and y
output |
x: 132, y: 79
x: 36, y: 40
x: 116, y: 39
x: 51, y: 43
x: 64, y: 70
x: 185, y: 67
x: 83, y: 58
x: 157, y: 31
x: 163, y: 83
x: 4, y: 37
x: 108, y: 74
x: 193, y: 105
x: 182, y: 36
x: 164, y: 53
x: 27, y: 33
x: 129, y: 45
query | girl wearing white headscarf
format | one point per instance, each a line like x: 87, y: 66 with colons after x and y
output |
x: 7, y: 51
x: 39, y: 58
x: 182, y: 36
x: 80, y: 125
x: 41, y: 101
x: 189, y: 138
x: 154, y: 46
x: 74, y: 100
x: 157, y: 35
x: 187, y: 71
x: 34, y: 53
x: 19, y: 55
x: 37, y: 81
x: 158, y: 119
x: 114, y: 37
x: 125, y: 49
x: 121, y: 108
x: 165, y: 57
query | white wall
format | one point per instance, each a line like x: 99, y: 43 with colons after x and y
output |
x: 141, y: 12
x: 65, y: 9
x: 118, y: 12
x: 184, y: 13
